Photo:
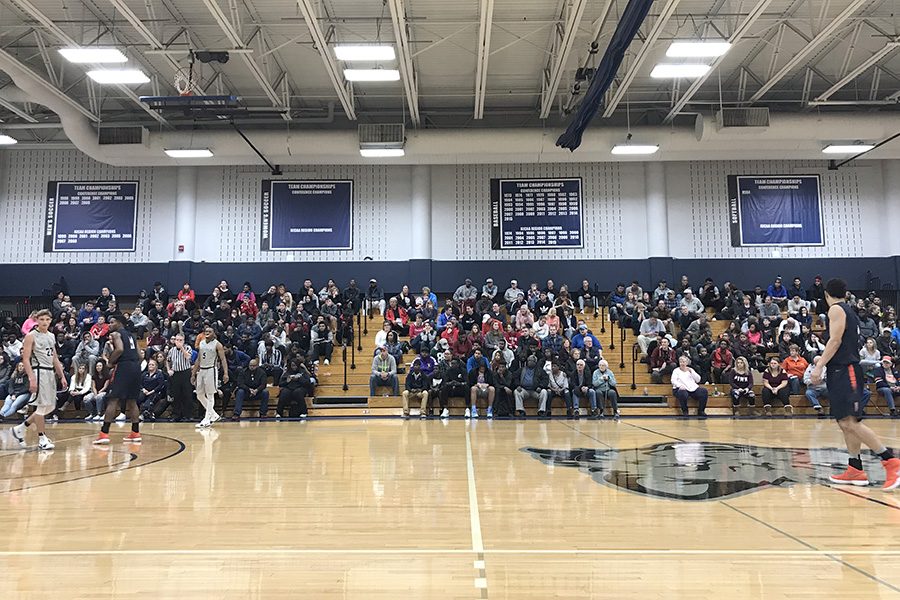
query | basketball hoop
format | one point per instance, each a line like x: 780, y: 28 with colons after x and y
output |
x: 185, y: 82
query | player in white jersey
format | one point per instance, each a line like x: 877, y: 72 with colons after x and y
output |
x: 204, y: 376
x: 40, y: 360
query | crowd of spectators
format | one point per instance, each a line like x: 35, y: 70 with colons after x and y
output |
x: 504, y: 351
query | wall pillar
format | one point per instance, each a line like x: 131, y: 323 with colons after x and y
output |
x: 890, y: 173
x: 185, y: 214
x: 420, y: 236
x: 657, y: 209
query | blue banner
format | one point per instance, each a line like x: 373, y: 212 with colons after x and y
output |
x: 307, y: 215
x: 775, y: 210
x: 91, y: 216
x: 536, y: 213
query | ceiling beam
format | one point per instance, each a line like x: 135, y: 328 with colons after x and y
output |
x: 17, y: 111
x: 736, y: 36
x: 49, y: 87
x: 641, y: 56
x: 331, y: 68
x: 825, y: 35
x: 234, y: 37
x: 404, y: 59
x: 561, y: 48
x: 62, y: 36
x: 484, y: 53
x: 887, y: 49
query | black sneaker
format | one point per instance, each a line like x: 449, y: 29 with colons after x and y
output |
x: 577, y: 414
x: 541, y: 413
x: 569, y: 413
x: 701, y: 414
x: 594, y: 412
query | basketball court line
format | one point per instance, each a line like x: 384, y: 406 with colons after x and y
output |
x: 475, y: 520
x: 460, y: 551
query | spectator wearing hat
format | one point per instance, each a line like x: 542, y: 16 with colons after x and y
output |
x: 693, y: 304
x: 512, y: 292
x: 375, y: 297
x: 465, y: 295
x: 489, y: 290
x: 887, y: 382
x: 583, y: 333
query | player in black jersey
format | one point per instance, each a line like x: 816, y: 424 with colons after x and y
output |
x: 125, y: 385
x: 845, y: 382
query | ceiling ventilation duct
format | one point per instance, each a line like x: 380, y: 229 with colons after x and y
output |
x: 742, y: 117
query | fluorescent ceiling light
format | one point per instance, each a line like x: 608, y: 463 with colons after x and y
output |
x: 93, y: 55
x: 697, y: 49
x: 120, y: 76
x: 372, y: 74
x: 687, y: 71
x: 382, y: 152
x: 189, y: 152
x: 847, y: 148
x: 634, y: 149
x: 365, y: 52
x: 6, y: 140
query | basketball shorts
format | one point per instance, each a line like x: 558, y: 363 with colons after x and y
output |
x: 126, y: 382
x: 207, y: 382
x: 845, y: 384
x: 44, y: 399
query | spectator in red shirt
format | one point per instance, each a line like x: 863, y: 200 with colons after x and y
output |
x: 396, y: 315
x: 722, y: 360
x: 186, y: 295
x: 662, y: 361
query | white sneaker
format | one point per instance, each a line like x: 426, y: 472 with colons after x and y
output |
x: 327, y: 362
x: 89, y: 418
x: 44, y: 443
x: 98, y: 417
x: 474, y: 413
x: 121, y: 417
x: 53, y: 419
x: 445, y: 414
x: 468, y: 414
x: 201, y: 424
x: 18, y: 432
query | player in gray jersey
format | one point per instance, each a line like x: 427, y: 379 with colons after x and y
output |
x: 42, y: 367
x: 210, y: 356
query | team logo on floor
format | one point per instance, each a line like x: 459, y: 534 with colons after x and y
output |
x: 699, y: 470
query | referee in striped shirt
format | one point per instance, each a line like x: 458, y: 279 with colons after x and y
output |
x: 180, y: 358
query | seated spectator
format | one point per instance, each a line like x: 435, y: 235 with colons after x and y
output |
x: 321, y: 344
x: 722, y: 361
x: 476, y: 360
x: 87, y: 353
x: 374, y: 297
x: 693, y: 304
x: 869, y: 356
x: 153, y: 388
x: 558, y: 387
x: 795, y: 366
x: 271, y: 360
x: 813, y: 346
x: 384, y: 372
x: 583, y: 334
x: 581, y: 388
x: 553, y: 341
x: 494, y: 337
x: 795, y: 305
x: 616, y: 302
x: 481, y: 386
x: 416, y: 387
x: 531, y: 384
x: 88, y: 315
x: 504, y: 399
x: 775, y: 388
x: 79, y: 387
x: 541, y: 329
x: 768, y: 309
x: 426, y: 363
x: 777, y: 292
x: 397, y: 317
x: 703, y: 363
x: 591, y: 354
x: 815, y: 392
x: 251, y: 383
x: 6, y: 371
x: 95, y: 401
x: 741, y: 379
x: 381, y: 336
x: 425, y: 340
x: 709, y: 295
x: 246, y: 293
x: 503, y: 353
x: 453, y: 382
x: 489, y: 290
x: 294, y: 386
x: 686, y: 385
x: 188, y: 297
x: 465, y: 295
x: 662, y: 361
x: 568, y: 324
x: 604, y: 383
x: 18, y: 392
x: 586, y: 297
x: 887, y: 382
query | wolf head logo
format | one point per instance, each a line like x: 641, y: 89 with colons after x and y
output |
x: 699, y: 470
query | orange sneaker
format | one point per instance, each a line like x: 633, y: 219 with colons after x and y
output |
x: 103, y: 438
x: 851, y: 476
x: 132, y: 438
x: 892, y: 479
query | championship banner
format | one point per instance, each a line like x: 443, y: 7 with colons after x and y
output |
x: 536, y: 213
x: 307, y: 215
x: 91, y: 216
x: 775, y: 210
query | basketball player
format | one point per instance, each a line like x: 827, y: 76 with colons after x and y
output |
x: 844, y: 379
x: 205, y: 373
x: 125, y: 385
x: 40, y: 360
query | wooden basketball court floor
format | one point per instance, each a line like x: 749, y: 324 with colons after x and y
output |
x: 383, y: 508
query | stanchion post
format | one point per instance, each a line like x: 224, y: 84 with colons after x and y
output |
x: 622, y: 348
x: 359, y: 332
x: 346, y: 387
x: 634, y: 357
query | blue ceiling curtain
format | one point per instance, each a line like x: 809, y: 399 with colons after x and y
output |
x: 628, y: 26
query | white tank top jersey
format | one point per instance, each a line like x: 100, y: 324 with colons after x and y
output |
x: 208, y: 353
x: 42, y: 351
